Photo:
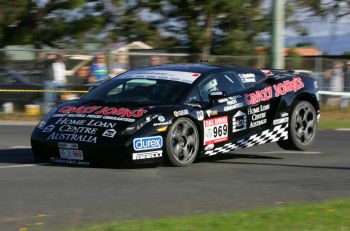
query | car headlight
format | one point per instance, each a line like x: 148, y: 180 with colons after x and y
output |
x: 44, y: 120
x: 139, y: 124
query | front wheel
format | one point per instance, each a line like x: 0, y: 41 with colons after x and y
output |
x: 182, y: 142
x: 302, y: 127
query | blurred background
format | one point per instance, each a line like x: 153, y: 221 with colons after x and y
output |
x: 52, y: 51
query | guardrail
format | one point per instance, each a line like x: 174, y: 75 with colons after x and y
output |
x: 43, y: 91
x: 334, y: 93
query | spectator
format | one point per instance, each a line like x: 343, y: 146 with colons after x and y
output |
x: 59, y: 71
x: 336, y: 82
x: 345, y: 100
x: 121, y: 65
x: 347, y: 77
x: 56, y: 79
x: 83, y: 75
x: 156, y: 61
x: 98, y: 70
x: 50, y: 58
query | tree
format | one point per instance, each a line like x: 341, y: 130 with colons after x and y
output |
x: 205, y: 26
x: 56, y: 21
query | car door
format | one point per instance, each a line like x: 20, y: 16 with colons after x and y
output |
x: 217, y: 123
x: 259, y: 101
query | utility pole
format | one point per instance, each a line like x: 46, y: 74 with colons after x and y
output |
x: 278, y: 34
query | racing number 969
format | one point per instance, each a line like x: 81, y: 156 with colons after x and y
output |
x: 220, y: 130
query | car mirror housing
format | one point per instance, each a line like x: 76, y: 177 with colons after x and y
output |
x: 216, y: 95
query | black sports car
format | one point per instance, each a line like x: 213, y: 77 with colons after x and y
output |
x: 180, y: 112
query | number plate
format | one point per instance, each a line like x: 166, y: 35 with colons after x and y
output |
x: 70, y: 154
x: 215, y: 130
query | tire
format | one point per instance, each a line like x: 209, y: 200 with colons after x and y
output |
x: 182, y: 143
x: 302, y: 128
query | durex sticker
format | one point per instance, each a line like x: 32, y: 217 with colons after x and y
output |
x: 148, y: 143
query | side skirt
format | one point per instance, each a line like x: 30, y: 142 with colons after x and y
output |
x: 278, y: 132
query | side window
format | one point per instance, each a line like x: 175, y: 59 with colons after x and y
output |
x: 193, y: 96
x: 223, y: 81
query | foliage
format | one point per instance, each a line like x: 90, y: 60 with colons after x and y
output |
x: 203, y: 26
x: 222, y: 26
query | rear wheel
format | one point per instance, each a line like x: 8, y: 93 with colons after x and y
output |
x: 182, y: 142
x: 302, y: 127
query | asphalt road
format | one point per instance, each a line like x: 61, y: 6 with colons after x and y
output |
x: 47, y: 197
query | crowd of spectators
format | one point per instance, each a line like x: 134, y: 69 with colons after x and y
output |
x: 98, y: 72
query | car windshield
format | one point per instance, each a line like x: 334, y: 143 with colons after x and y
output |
x: 139, y: 91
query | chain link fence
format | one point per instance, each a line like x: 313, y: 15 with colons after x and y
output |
x: 26, y: 68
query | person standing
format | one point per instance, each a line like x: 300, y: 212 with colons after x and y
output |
x: 336, y: 83
x: 345, y: 100
x: 98, y: 70
x: 121, y: 64
x: 55, y: 81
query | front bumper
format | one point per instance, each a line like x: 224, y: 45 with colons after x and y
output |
x: 117, y: 153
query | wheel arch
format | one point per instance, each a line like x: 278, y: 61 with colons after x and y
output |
x: 311, y: 98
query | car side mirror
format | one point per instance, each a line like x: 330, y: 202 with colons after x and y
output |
x: 216, y: 95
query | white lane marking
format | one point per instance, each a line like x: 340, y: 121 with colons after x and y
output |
x: 290, y: 152
x: 19, y: 147
x: 19, y: 166
x: 343, y: 129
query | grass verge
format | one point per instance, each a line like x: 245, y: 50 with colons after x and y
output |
x: 326, y: 216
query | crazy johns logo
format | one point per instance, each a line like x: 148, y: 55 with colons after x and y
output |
x: 279, y: 90
x: 98, y: 110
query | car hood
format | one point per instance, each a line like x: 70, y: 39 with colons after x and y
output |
x: 75, y: 119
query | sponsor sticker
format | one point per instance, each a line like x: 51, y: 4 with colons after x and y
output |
x: 276, y: 90
x: 239, y: 122
x: 215, y: 130
x: 209, y: 147
x: 180, y: 76
x: 211, y: 113
x: 49, y: 128
x: 42, y: 124
x: 247, y: 77
x: 147, y: 155
x: 67, y: 145
x: 180, y: 113
x: 233, y: 106
x: 162, y: 124
x: 71, y: 154
x: 103, y: 111
x: 148, y: 143
x: 109, y: 133
x: 200, y: 115
x: 281, y: 120
x: 161, y: 118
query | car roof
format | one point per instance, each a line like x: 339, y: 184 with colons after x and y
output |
x: 195, y: 68
x: 202, y: 68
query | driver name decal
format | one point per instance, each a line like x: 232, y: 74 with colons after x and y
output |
x: 215, y: 130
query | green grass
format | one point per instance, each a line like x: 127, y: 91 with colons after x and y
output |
x: 332, y: 124
x: 326, y: 216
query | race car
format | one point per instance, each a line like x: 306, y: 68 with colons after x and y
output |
x: 178, y: 113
